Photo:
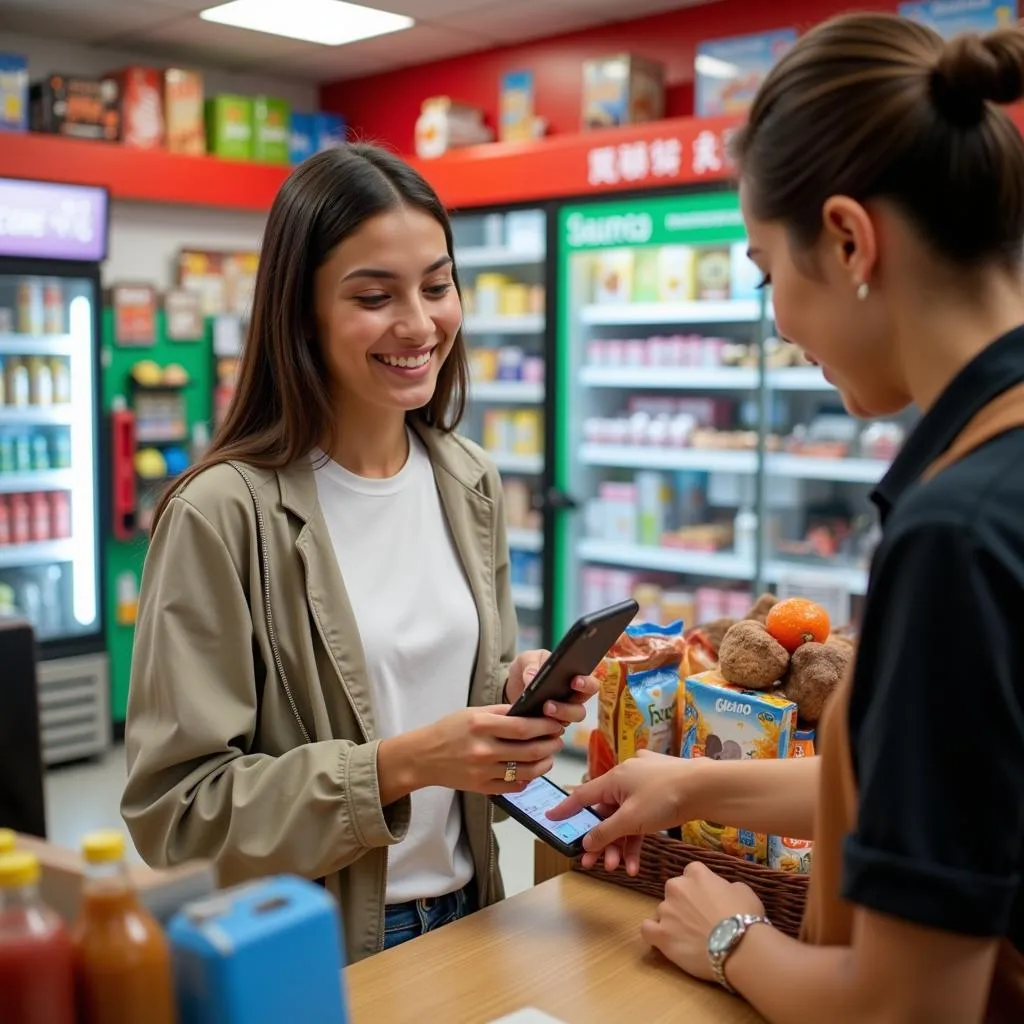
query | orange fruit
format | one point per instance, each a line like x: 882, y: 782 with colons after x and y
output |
x: 797, y: 621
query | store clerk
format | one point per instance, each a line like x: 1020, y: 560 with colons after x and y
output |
x: 883, y: 192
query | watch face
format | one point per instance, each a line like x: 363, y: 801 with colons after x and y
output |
x: 723, y: 935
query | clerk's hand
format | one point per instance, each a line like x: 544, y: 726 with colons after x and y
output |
x: 523, y: 671
x: 694, y: 904
x: 472, y: 749
x: 643, y: 795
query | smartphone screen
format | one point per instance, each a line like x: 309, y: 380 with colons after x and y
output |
x: 539, y: 797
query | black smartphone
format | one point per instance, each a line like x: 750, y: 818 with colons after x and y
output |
x: 578, y: 654
x: 529, y: 807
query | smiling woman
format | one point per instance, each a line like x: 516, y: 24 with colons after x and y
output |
x: 328, y: 590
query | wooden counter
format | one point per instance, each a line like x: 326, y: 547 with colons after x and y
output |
x: 570, y: 947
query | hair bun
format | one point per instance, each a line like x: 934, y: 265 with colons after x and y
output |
x: 974, y: 70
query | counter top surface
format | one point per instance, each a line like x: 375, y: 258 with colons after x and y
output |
x: 570, y: 947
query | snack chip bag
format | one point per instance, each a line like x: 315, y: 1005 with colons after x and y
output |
x: 639, y: 680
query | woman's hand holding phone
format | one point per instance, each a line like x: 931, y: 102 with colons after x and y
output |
x: 524, y: 670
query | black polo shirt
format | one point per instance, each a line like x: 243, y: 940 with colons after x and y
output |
x: 937, y: 709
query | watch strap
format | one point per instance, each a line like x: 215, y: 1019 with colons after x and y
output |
x: 718, y: 959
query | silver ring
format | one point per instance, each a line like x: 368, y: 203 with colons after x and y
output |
x: 510, y: 771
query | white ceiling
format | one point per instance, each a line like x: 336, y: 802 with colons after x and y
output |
x: 170, y: 30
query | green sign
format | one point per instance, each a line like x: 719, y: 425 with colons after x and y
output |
x: 708, y: 218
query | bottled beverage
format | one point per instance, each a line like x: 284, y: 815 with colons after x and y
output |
x: 40, y: 451
x: 40, y: 381
x: 60, y: 455
x: 6, y: 453
x: 30, y: 306
x: 39, y: 516
x: 16, y: 382
x: 60, y: 370
x: 60, y: 515
x: 37, y: 982
x: 123, y: 959
x: 5, y: 522
x: 21, y: 531
x: 22, y: 453
x: 53, y: 306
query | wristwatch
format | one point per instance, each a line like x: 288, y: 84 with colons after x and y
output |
x: 724, y: 939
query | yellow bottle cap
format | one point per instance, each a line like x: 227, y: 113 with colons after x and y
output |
x: 7, y: 840
x: 103, y: 847
x: 17, y: 869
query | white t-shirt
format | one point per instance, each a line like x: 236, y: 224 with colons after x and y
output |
x: 419, y: 629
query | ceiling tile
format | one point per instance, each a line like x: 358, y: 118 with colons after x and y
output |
x: 430, y: 10
x: 418, y: 44
x: 524, y: 19
x: 86, y: 23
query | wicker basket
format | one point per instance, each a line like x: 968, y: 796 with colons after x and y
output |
x: 783, y: 894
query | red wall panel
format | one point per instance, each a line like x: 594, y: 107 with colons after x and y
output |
x: 384, y: 108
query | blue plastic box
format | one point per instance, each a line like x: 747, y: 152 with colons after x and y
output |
x: 261, y: 953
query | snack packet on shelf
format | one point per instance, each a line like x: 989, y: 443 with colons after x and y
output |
x: 727, y: 723
x: 793, y: 855
x: 639, y: 680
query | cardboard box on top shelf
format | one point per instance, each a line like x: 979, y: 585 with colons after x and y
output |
x: 84, y: 108
x: 622, y: 89
x: 229, y: 122
x: 162, y: 891
x: 184, y: 121
x: 271, y: 130
x: 142, y: 106
x: 13, y: 92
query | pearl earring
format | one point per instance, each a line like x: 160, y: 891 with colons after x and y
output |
x: 863, y: 291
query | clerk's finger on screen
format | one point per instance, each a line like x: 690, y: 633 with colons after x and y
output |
x: 589, y: 794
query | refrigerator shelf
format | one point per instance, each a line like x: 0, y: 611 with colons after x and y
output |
x: 525, y: 540
x: 640, y: 457
x: 717, y: 565
x: 851, y: 578
x: 496, y: 256
x: 477, y: 323
x: 15, y: 556
x: 35, y: 415
x: 798, y: 378
x: 527, y: 598
x: 675, y: 378
x: 736, y: 311
x: 507, y: 392
x: 37, y: 480
x: 526, y: 465
x: 806, y: 467
x: 36, y: 344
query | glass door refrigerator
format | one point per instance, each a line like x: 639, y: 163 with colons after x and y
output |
x: 660, y: 319
x: 52, y: 240
x: 501, y: 259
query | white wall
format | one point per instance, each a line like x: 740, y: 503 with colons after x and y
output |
x: 144, y: 236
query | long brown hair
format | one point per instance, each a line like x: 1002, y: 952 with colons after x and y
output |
x: 875, y: 106
x: 282, y: 407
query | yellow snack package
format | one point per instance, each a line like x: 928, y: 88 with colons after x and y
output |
x: 793, y: 855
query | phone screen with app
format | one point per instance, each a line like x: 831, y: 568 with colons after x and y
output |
x: 538, y: 798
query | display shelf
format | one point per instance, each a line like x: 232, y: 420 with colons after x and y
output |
x: 806, y: 467
x: 855, y: 580
x: 639, y: 457
x: 36, y: 415
x: 528, y: 465
x: 527, y: 598
x: 487, y: 256
x: 525, y: 540
x: 674, y: 378
x: 37, y: 480
x: 507, y: 392
x: 654, y: 313
x: 14, y: 556
x: 36, y: 344
x: 715, y: 564
x: 798, y: 378
x: 480, y: 324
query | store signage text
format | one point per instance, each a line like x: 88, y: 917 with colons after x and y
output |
x: 660, y: 160
x: 51, y: 221
x: 616, y: 229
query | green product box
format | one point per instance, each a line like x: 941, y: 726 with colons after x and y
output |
x: 271, y: 130
x: 229, y: 127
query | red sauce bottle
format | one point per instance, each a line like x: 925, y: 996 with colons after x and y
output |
x: 37, y: 980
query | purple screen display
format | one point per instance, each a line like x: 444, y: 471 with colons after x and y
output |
x: 39, y: 220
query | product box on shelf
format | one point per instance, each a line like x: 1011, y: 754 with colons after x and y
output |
x: 224, y: 281
x: 727, y: 723
x: 86, y: 108
x: 516, y: 120
x: 229, y: 122
x: 13, y: 92
x: 271, y: 130
x: 330, y: 130
x: 622, y: 89
x: 728, y: 72
x: 952, y: 18
x: 184, y: 124
x: 142, y: 107
x: 793, y: 854
x: 301, y: 136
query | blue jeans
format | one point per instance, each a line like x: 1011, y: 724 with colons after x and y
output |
x: 404, y: 921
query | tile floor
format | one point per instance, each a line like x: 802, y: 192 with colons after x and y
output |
x: 87, y: 796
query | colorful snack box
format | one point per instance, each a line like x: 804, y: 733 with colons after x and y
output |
x: 85, y: 108
x: 184, y: 125
x: 727, y: 723
x: 330, y: 130
x: 302, y: 137
x: 271, y: 130
x: 13, y: 92
x: 622, y: 89
x: 142, y: 108
x: 793, y: 855
x: 229, y: 127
